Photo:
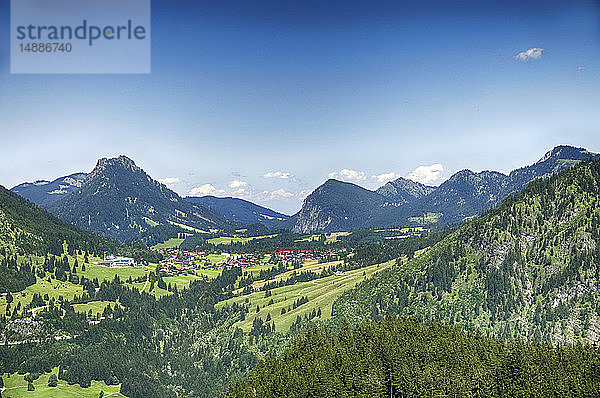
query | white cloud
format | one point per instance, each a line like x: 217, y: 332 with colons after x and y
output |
x: 385, y: 177
x: 532, y: 53
x: 206, y: 189
x: 348, y: 175
x: 278, y: 174
x: 277, y: 194
x: 169, y: 181
x: 426, y: 174
x: 237, y: 184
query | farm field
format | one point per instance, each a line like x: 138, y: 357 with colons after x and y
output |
x: 53, y: 288
x: 97, y: 307
x: 16, y: 387
x: 330, y: 237
x: 93, y: 271
x: 171, y: 243
x: 227, y: 240
x: 321, y: 293
x: 211, y: 273
x: 308, y: 238
x: 333, y: 237
x: 216, y: 258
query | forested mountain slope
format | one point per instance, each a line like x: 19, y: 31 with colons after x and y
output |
x: 466, y: 193
x: 335, y: 206
x: 403, y: 358
x: 528, y: 269
x: 26, y: 228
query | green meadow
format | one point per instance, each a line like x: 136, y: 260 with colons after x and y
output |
x: 53, y: 288
x: 16, y: 387
x: 97, y: 307
x: 216, y: 258
x: 107, y: 273
x: 172, y: 243
x: 227, y: 240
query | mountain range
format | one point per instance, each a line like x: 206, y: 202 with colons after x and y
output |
x: 526, y: 269
x: 44, y: 193
x: 119, y: 200
x: 339, y: 206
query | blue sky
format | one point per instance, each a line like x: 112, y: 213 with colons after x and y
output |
x: 267, y: 99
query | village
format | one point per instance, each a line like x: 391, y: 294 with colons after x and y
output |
x: 181, y: 262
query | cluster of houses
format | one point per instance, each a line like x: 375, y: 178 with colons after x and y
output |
x: 181, y: 258
x: 179, y: 262
x: 244, y: 260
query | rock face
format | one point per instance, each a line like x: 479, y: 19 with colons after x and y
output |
x: 119, y: 200
x: 342, y: 206
x: 44, y: 193
x: 240, y: 210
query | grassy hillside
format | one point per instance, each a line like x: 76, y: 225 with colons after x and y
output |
x: 29, y: 229
x: 321, y: 293
x: 16, y: 387
x: 528, y: 269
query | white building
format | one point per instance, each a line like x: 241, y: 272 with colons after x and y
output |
x: 113, y: 261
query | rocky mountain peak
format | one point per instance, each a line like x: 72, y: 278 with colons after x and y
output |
x: 566, y: 152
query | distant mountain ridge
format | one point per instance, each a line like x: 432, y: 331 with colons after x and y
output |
x: 336, y: 206
x: 402, y: 190
x: 122, y: 207
x: 465, y: 194
x: 119, y: 200
x: 240, y: 210
x: 526, y: 269
x: 44, y: 193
